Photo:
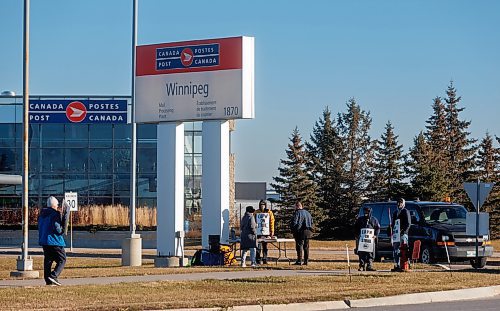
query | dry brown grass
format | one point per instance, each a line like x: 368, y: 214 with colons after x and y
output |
x: 77, y: 267
x: 226, y: 293
x: 115, y: 215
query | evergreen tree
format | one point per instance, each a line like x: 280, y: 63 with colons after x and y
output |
x: 426, y: 182
x: 388, y: 174
x: 461, y: 149
x: 294, y: 181
x: 438, y: 139
x: 327, y: 159
x: 488, y: 165
x: 354, y: 126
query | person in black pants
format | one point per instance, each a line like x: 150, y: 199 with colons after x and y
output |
x: 50, y: 231
x: 366, y: 221
x: 302, y: 231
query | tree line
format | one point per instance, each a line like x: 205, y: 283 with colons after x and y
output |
x: 341, y: 166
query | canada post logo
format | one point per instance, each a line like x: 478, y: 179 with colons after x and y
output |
x: 192, y: 56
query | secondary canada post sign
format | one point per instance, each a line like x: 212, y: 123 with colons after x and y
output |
x: 78, y: 111
x: 195, y: 80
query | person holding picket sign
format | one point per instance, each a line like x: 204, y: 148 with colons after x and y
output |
x: 264, y: 218
x: 367, y: 229
x: 400, y: 225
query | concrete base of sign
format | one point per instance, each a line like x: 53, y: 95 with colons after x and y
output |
x: 25, y: 274
x: 25, y: 269
x: 165, y: 262
x: 132, y: 251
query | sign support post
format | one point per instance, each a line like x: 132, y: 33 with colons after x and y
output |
x: 170, y: 190
x: 215, y: 181
x: 478, y: 192
x: 477, y: 221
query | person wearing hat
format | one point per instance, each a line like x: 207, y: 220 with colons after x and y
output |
x: 248, y: 235
x: 400, y: 227
x: 265, y: 225
x: 50, y: 237
x: 366, y: 221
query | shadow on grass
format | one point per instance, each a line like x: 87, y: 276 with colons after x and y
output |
x: 79, y: 255
x: 469, y: 270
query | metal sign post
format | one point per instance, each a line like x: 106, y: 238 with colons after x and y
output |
x: 478, y: 192
x: 71, y: 198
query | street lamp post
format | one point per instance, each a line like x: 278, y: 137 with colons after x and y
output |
x: 132, y: 246
x: 24, y: 262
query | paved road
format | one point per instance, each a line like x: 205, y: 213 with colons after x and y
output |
x: 488, y: 304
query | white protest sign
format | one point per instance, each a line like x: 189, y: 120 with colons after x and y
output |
x: 262, y: 220
x: 72, y: 199
x: 366, y: 240
x: 396, y: 233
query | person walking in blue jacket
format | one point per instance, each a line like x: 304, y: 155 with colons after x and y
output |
x: 50, y: 237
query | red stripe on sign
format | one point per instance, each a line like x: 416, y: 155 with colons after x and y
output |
x: 230, y: 56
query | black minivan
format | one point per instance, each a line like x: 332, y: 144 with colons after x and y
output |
x: 430, y: 222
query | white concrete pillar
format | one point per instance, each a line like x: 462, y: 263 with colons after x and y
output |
x: 215, y: 180
x: 170, y: 189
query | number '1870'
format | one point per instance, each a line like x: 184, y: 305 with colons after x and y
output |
x: 231, y: 111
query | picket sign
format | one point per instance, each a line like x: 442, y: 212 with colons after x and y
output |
x: 262, y: 224
x: 366, y: 240
x: 396, y: 234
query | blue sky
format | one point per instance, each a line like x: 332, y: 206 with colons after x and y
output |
x: 394, y: 57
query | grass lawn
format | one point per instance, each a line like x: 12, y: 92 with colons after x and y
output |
x: 224, y: 293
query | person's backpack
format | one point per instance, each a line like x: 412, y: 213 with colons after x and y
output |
x: 196, y: 260
x: 211, y: 258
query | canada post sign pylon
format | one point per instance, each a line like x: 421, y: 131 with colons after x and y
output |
x: 195, y: 80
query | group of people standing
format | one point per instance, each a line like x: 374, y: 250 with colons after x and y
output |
x: 254, y: 242
x: 400, y: 226
x: 51, y: 222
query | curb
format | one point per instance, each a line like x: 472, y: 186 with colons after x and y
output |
x: 407, y: 299
x: 428, y: 297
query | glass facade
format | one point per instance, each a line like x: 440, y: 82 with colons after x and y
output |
x: 91, y: 159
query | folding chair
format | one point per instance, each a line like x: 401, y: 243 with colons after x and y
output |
x: 415, y: 256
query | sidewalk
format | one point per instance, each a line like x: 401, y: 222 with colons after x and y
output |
x: 172, y: 277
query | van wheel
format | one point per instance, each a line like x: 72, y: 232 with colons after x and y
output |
x: 377, y: 258
x: 480, y: 264
x: 426, y: 255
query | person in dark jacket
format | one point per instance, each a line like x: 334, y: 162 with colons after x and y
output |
x: 400, y: 226
x: 50, y: 231
x: 248, y: 234
x: 366, y: 221
x: 302, y: 231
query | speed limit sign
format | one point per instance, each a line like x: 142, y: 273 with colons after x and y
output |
x: 72, y: 199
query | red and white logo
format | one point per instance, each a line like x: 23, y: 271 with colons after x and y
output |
x: 76, y: 112
x: 187, y: 57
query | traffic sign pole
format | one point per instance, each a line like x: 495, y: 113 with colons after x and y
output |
x: 71, y: 231
x: 477, y: 224
x: 478, y: 196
